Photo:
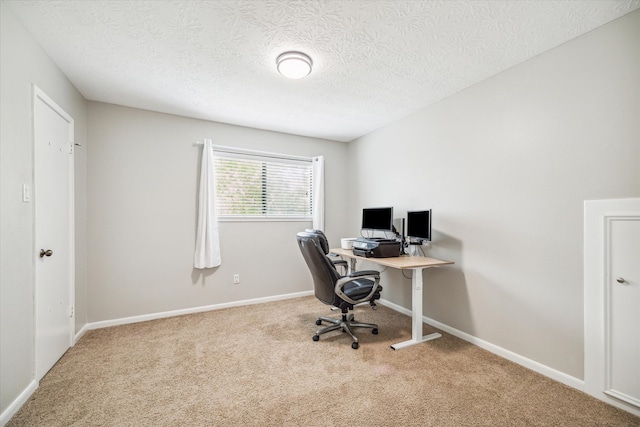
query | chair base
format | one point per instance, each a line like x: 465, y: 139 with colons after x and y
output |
x: 346, y: 324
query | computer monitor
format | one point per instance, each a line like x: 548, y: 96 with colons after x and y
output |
x: 377, y: 219
x: 419, y: 226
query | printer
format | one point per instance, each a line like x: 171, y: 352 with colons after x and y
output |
x: 376, y: 248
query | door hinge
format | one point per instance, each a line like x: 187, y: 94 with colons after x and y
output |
x: 71, y: 311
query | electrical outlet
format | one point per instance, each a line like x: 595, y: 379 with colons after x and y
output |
x: 236, y: 278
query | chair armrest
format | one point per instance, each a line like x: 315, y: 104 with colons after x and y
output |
x: 341, y: 263
x: 364, y: 274
x: 337, y: 261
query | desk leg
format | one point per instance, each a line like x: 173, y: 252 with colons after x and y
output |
x: 416, y: 314
x: 352, y: 265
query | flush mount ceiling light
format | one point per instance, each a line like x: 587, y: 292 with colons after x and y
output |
x: 294, y: 65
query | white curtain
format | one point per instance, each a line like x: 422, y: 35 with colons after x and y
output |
x: 208, y: 238
x: 318, y: 193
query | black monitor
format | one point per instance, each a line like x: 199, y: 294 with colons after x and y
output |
x: 419, y: 226
x: 377, y: 219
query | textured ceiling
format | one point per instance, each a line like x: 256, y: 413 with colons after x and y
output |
x: 374, y: 61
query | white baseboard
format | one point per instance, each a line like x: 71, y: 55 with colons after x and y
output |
x: 154, y: 316
x: 18, y: 402
x: 506, y: 354
x: 80, y: 333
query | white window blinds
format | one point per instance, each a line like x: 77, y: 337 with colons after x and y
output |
x: 254, y: 186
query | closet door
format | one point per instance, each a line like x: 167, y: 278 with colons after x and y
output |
x: 612, y: 302
x: 623, y: 294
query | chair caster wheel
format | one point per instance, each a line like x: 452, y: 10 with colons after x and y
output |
x: 374, y: 331
x: 316, y: 337
x: 354, y: 345
x: 318, y: 322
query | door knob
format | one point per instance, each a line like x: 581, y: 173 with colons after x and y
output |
x: 620, y: 280
x: 44, y: 253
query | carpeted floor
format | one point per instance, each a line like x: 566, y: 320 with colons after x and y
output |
x: 257, y: 365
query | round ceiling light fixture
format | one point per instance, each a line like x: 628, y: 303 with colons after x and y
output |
x: 294, y: 65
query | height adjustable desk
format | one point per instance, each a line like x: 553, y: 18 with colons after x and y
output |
x: 405, y: 262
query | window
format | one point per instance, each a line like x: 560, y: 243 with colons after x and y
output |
x: 262, y: 186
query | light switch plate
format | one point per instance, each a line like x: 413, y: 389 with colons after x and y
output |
x: 26, y: 193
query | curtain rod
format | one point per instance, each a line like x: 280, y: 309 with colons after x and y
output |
x: 256, y: 153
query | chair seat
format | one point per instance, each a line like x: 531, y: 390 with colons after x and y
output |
x: 358, y: 288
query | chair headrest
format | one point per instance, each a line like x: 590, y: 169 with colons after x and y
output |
x: 321, y: 239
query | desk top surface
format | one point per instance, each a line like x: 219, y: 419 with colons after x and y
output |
x: 401, y: 262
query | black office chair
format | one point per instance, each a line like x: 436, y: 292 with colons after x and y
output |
x: 343, y: 292
x: 324, y: 244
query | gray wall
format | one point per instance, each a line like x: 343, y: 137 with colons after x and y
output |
x: 22, y: 62
x: 506, y: 165
x: 142, y: 185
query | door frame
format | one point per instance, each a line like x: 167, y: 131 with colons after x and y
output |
x: 598, y: 215
x: 40, y: 95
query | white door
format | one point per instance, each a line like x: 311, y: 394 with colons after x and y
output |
x: 53, y: 198
x: 623, y: 294
x: 612, y: 302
